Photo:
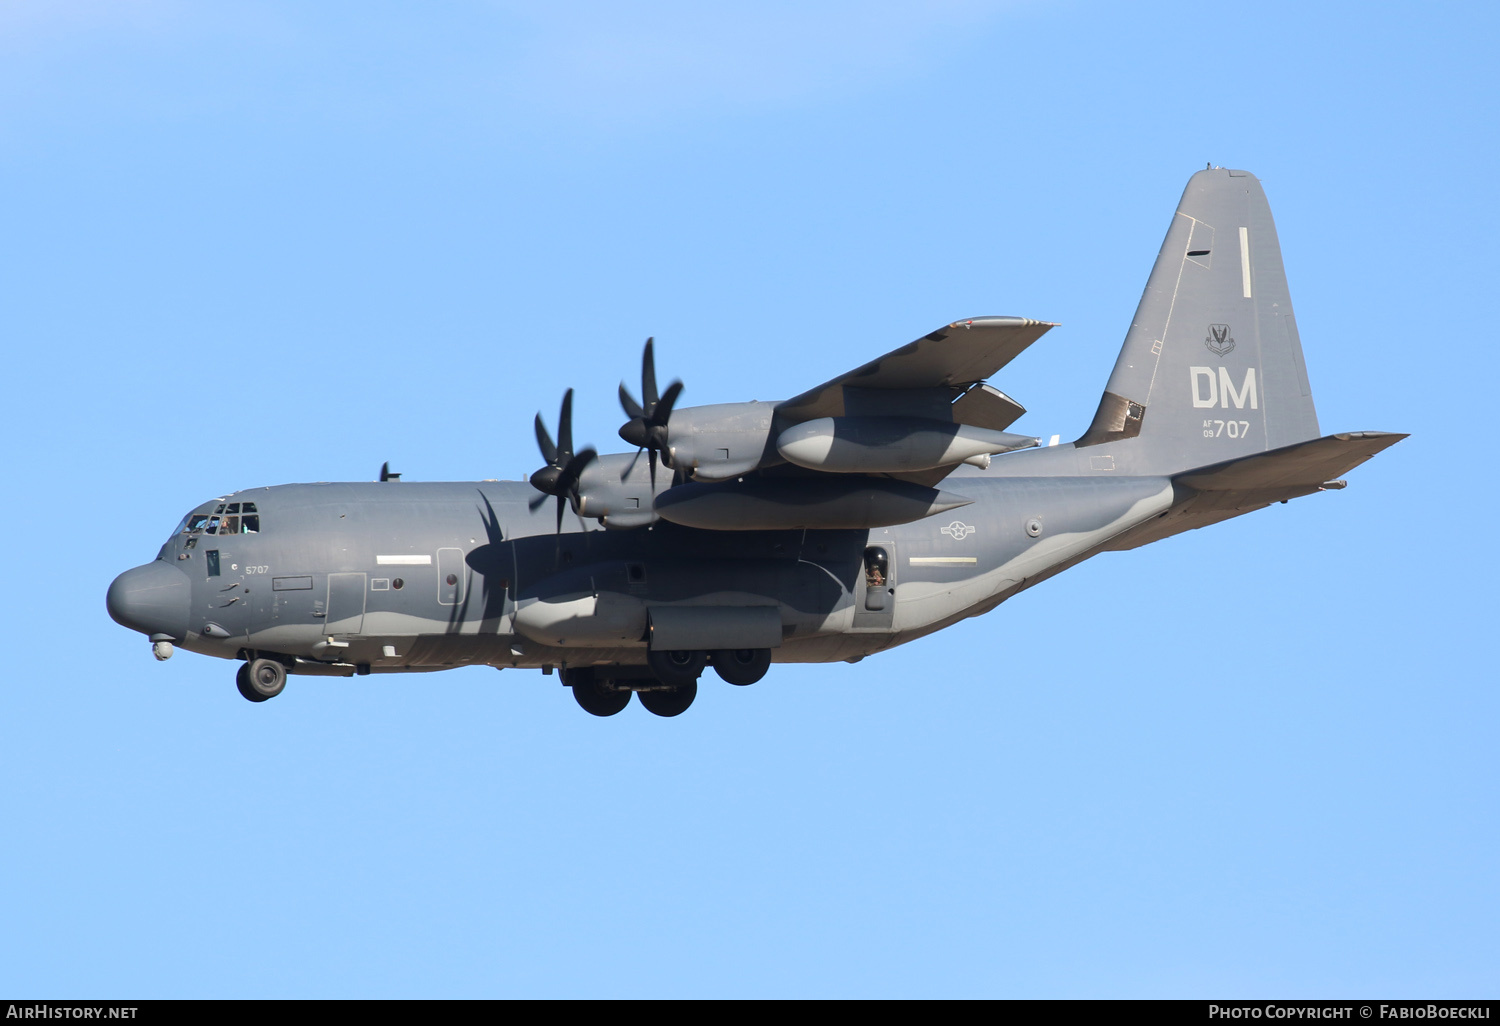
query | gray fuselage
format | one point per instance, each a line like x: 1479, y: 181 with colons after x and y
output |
x: 387, y: 577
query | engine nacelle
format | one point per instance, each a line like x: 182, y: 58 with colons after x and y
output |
x: 891, y: 445
x: 616, y: 490
x: 722, y: 441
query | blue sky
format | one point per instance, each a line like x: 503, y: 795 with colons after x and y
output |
x: 252, y: 243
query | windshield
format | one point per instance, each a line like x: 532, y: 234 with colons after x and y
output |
x: 226, y: 518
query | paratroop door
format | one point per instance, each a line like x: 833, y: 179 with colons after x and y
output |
x: 346, y: 604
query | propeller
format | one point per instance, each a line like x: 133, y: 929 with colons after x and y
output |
x: 647, y: 427
x: 560, y: 476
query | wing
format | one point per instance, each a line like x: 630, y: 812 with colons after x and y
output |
x: 923, y: 377
x: 912, y: 415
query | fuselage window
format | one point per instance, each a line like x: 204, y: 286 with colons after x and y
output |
x: 212, y: 557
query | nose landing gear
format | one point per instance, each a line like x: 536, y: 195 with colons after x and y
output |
x: 260, y: 679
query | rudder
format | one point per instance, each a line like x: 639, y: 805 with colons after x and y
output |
x: 1212, y: 366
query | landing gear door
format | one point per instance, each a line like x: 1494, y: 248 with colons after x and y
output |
x: 346, y: 604
x: 875, y: 591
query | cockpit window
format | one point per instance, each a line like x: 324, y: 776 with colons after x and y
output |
x: 220, y: 523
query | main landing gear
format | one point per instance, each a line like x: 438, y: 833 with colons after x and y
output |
x: 669, y: 701
x: 742, y: 665
x: 676, y: 669
x: 672, y: 685
x: 596, y: 696
x: 260, y: 679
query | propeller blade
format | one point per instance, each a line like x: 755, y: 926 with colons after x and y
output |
x: 647, y: 426
x: 544, y: 441
x: 567, y: 481
x: 633, y: 461
x: 565, y: 425
x: 629, y: 405
x: 648, y: 375
x: 560, y: 476
x: 567, y: 491
x: 663, y: 411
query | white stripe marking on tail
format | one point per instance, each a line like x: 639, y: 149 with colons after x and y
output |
x: 1245, y: 260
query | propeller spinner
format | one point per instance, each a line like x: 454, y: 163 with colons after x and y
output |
x: 560, y: 476
x: 647, y: 427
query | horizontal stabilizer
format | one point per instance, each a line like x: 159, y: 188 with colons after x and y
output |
x: 1220, y: 491
x: 1306, y: 463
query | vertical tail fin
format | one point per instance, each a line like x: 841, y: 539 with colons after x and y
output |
x: 1212, y: 365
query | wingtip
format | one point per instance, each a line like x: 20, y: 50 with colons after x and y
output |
x: 1002, y: 322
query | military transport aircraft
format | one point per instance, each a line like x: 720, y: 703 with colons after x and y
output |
x: 874, y: 509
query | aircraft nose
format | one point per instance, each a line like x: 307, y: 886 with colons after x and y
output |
x: 153, y: 599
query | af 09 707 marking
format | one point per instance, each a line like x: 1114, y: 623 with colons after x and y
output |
x: 1226, y: 428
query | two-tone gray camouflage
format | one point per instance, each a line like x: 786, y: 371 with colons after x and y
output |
x: 862, y: 514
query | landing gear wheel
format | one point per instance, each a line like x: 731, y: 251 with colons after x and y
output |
x: 742, y: 665
x: 261, y: 679
x: 677, y: 669
x: 593, y: 697
x: 242, y: 681
x: 669, y: 703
